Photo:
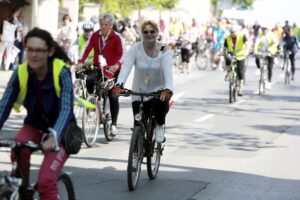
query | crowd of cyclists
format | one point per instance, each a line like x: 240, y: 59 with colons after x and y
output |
x: 109, y: 48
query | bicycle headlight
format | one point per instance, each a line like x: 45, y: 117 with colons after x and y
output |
x: 138, y: 117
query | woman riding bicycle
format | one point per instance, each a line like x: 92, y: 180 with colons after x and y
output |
x: 153, y: 72
x: 44, y: 87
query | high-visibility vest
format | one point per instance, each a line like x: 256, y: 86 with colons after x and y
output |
x: 240, y: 49
x: 272, y: 42
x: 81, y: 44
x: 23, y: 76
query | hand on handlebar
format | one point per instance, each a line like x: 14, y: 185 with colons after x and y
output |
x: 78, y: 67
x: 49, y: 144
x: 165, y: 95
x: 117, y: 89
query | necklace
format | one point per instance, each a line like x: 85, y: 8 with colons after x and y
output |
x: 149, y: 64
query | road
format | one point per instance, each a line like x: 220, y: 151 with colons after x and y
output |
x: 214, y: 150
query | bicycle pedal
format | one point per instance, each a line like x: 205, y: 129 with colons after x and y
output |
x: 162, y: 149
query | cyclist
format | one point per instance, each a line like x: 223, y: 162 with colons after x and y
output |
x: 108, y: 51
x: 218, y: 40
x: 33, y: 85
x: 236, y: 44
x: 78, y: 46
x: 290, y: 44
x: 267, y: 42
x: 153, y: 71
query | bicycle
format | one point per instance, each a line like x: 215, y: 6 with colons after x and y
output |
x: 92, y: 118
x: 287, y: 68
x: 142, y: 143
x: 201, y: 54
x: 10, y: 184
x: 232, y: 76
x: 80, y: 90
x: 263, y: 79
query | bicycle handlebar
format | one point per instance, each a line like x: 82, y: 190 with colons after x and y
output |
x: 15, y: 145
x: 127, y: 92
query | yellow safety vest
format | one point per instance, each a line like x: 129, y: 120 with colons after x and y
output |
x: 23, y: 79
x: 240, y: 49
x: 81, y: 44
x: 272, y: 43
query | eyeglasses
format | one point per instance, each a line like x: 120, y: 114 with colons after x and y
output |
x: 37, y: 50
x: 147, y: 32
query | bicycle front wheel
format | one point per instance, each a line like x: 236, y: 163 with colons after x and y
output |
x: 135, y: 158
x: 153, y: 158
x: 232, y: 89
x: 107, y: 120
x: 6, y: 193
x: 65, y: 187
x: 91, y: 122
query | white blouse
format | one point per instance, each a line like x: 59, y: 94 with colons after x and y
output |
x: 150, y: 74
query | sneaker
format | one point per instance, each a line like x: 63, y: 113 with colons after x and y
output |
x: 257, y: 72
x: 159, y: 134
x: 114, y: 130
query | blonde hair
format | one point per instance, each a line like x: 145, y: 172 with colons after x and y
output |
x: 153, y: 24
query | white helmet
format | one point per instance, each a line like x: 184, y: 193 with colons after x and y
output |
x: 88, y: 25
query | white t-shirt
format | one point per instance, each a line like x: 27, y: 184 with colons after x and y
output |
x: 150, y: 74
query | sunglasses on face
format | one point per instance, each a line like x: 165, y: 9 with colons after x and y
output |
x: 147, y: 32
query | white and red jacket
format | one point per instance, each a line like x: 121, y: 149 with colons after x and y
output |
x: 110, y: 47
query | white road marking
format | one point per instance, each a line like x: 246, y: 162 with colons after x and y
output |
x: 206, y: 117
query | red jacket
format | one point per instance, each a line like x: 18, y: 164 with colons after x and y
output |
x: 112, y: 51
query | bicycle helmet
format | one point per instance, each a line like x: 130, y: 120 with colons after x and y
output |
x: 88, y: 26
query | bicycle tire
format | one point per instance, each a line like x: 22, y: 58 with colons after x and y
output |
x: 135, y: 150
x: 153, y: 157
x: 65, y: 187
x: 107, y: 120
x: 286, y: 72
x: 91, y: 122
x: 79, y: 91
x: 231, y: 88
x: 5, y: 193
x: 262, y: 81
x: 201, y: 61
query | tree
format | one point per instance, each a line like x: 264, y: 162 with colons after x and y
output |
x: 124, y: 8
x: 243, y: 3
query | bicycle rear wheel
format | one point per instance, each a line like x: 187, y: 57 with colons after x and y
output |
x: 287, y: 72
x: 201, y: 60
x: 135, y: 158
x: 79, y: 90
x: 65, y: 187
x: 107, y: 119
x: 262, y: 82
x: 153, y: 158
x: 91, y: 122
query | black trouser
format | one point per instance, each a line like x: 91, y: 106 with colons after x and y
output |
x: 113, y: 99
x: 240, y: 69
x: 159, y: 109
x: 270, y: 66
x: 292, y: 59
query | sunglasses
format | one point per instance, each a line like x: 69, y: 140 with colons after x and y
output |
x: 147, y: 32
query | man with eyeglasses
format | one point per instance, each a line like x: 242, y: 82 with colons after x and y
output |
x: 108, y: 51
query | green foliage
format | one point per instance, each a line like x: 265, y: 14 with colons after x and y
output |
x: 244, y: 3
x: 124, y: 8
